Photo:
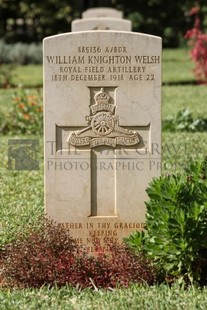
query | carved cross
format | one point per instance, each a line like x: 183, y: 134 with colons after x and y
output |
x: 105, y: 139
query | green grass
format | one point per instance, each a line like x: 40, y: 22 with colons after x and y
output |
x: 177, y: 66
x: 28, y: 76
x: 179, y: 148
x: 136, y: 297
x: 21, y: 195
x: 179, y: 97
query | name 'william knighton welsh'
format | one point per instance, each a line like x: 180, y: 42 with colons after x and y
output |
x: 111, y: 60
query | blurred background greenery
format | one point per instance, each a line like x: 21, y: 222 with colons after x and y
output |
x: 30, y: 21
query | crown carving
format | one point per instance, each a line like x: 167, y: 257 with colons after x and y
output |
x: 102, y: 103
x: 102, y: 97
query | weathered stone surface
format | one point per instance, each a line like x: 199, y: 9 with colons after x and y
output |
x: 101, y: 23
x: 102, y: 93
x: 102, y: 12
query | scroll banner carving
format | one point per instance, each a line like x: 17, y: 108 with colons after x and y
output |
x: 103, y: 126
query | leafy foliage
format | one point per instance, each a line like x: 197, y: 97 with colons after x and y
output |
x: 43, y: 18
x: 50, y: 256
x: 184, y: 121
x: 20, y: 53
x: 6, y: 75
x: 38, y: 19
x: 25, y: 114
x: 176, y: 224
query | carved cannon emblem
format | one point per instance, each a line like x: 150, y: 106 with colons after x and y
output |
x: 103, y: 126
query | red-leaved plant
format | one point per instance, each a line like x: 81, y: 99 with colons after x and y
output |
x: 198, y: 41
x: 49, y: 256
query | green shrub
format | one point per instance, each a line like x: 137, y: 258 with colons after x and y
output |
x: 4, y: 52
x: 6, y: 75
x: 34, y: 53
x: 176, y: 224
x: 20, y: 53
x: 184, y: 121
x: 25, y: 114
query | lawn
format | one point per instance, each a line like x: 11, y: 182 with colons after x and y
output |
x: 22, y: 196
x: 28, y: 76
x: 177, y: 67
x: 150, y: 298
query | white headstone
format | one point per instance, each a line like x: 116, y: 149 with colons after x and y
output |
x: 101, y: 23
x: 102, y: 94
x: 102, y: 12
